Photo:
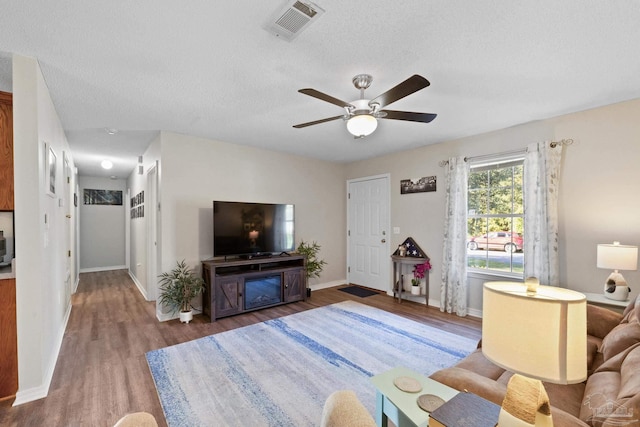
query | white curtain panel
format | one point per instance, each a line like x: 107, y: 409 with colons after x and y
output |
x: 453, y: 290
x: 541, y: 184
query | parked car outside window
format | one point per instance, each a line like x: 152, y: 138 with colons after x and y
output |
x: 497, y: 240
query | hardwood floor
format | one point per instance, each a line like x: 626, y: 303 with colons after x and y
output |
x: 102, y: 373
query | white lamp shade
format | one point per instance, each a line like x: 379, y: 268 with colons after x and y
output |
x: 542, y: 335
x: 617, y: 257
x: 362, y: 125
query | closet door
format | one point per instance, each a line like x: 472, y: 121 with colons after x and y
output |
x: 8, y: 340
x: 6, y: 152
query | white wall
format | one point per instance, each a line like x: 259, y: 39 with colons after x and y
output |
x: 102, y: 228
x: 139, y: 226
x: 43, y: 299
x: 196, y: 171
x: 599, y: 193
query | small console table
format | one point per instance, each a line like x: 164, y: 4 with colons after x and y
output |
x: 240, y: 285
x: 398, y: 263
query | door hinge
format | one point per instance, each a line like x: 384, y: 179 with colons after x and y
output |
x: 348, y: 269
x: 69, y: 254
x: 348, y: 195
x: 348, y: 232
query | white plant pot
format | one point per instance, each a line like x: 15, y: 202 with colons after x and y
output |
x: 186, y: 316
x: 415, y: 290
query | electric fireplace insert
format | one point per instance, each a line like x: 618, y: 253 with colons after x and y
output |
x: 262, y: 291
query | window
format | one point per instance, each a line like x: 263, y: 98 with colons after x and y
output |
x: 495, y: 223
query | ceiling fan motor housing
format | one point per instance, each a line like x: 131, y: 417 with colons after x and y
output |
x: 361, y: 107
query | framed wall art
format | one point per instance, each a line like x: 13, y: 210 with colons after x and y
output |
x: 102, y: 197
x: 50, y: 164
x: 422, y: 185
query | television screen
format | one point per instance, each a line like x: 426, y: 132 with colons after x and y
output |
x: 241, y: 228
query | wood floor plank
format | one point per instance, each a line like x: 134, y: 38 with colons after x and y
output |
x: 102, y: 374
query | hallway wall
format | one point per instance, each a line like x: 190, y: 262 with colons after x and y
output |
x: 102, y: 228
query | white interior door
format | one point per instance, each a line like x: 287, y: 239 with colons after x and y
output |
x: 67, y: 195
x: 368, y: 233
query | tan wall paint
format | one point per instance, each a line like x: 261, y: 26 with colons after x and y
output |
x: 196, y: 171
x: 599, y: 194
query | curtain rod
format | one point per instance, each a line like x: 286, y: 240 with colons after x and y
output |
x: 552, y: 144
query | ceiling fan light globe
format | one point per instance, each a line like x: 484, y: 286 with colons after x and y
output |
x: 362, y: 125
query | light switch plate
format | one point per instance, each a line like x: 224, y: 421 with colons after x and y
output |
x: 396, y: 230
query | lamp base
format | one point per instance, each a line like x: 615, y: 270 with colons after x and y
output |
x: 526, y: 404
x: 616, y: 288
x: 616, y: 292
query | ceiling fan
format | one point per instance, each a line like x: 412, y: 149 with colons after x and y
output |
x: 362, y: 114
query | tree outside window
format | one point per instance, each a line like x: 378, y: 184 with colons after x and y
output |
x: 495, y: 215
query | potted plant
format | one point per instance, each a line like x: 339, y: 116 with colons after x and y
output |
x: 314, y: 265
x: 178, y: 287
x: 419, y: 270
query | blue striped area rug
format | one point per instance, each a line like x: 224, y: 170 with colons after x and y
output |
x: 280, y: 372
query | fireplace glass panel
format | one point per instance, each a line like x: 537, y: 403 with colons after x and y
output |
x: 262, y: 291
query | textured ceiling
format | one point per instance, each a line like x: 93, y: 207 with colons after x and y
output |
x: 210, y: 69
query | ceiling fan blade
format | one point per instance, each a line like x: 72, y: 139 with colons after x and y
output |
x: 407, y: 87
x: 317, y: 122
x: 408, y: 116
x: 325, y: 97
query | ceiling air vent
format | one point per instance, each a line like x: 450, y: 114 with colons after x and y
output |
x: 289, y: 22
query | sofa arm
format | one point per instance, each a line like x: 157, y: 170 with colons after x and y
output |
x: 465, y: 380
x: 600, y: 320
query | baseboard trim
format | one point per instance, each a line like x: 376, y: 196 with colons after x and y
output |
x: 41, y: 391
x: 109, y: 268
x: 325, y: 285
x: 142, y: 290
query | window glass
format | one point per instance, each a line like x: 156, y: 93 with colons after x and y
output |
x: 495, y: 224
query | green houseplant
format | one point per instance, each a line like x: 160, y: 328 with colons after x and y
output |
x: 314, y: 265
x: 178, y: 287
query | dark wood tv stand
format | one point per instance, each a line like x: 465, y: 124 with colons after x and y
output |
x: 225, y: 292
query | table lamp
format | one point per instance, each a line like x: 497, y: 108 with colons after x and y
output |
x: 539, y: 333
x: 617, y: 257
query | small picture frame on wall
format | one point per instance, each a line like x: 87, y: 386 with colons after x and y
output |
x: 50, y: 164
x: 422, y: 185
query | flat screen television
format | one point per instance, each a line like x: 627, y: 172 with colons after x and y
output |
x: 252, y: 229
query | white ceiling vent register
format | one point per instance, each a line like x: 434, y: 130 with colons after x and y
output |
x: 288, y: 22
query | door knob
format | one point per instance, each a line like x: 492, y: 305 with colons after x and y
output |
x: 383, y: 241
